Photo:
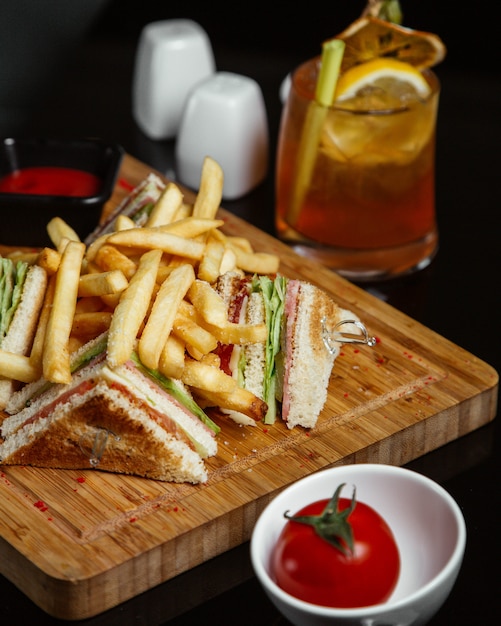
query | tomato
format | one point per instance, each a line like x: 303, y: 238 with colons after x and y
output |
x: 338, y: 553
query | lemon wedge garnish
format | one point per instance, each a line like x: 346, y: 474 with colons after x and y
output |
x: 389, y: 74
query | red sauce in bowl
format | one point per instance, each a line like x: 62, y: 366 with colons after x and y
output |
x: 51, y: 181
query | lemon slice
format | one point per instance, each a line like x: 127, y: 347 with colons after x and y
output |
x: 395, y: 77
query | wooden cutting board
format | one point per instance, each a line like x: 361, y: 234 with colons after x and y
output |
x: 80, y: 542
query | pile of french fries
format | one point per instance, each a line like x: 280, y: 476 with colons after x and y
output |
x: 150, y: 287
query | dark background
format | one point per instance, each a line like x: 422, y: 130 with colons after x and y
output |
x: 43, y: 44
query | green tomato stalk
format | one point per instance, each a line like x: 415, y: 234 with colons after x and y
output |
x: 331, y: 525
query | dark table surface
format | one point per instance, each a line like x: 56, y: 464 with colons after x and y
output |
x: 457, y: 296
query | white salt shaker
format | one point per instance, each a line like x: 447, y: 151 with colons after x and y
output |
x: 224, y: 118
x: 172, y: 56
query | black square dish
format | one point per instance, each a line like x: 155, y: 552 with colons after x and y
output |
x: 38, y: 179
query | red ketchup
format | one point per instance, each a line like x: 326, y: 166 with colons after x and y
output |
x: 51, y: 181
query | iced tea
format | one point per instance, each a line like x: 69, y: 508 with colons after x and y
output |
x: 369, y: 208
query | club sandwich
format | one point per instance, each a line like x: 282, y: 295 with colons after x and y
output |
x: 22, y: 290
x: 127, y: 420
x: 292, y: 369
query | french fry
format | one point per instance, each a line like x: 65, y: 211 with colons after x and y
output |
x: 56, y: 361
x: 94, y: 247
x: 163, y: 313
x: 58, y: 230
x: 194, y: 336
x: 63, y: 243
x: 74, y: 343
x: 166, y: 207
x: 255, y: 262
x: 49, y: 259
x: 202, y: 375
x: 132, y: 309
x: 164, y: 271
x: 210, y: 265
x: 240, y: 242
x: 89, y: 305
x: 208, y: 303
x: 191, y: 227
x: 111, y: 300
x: 218, y: 235
x: 194, y: 352
x: 186, y: 309
x: 110, y: 282
x: 153, y: 239
x: 245, y: 257
x: 172, y: 360
x: 36, y: 354
x: 109, y: 258
x: 172, y: 262
x: 123, y: 222
x: 241, y: 400
x: 228, y: 262
x: 89, y: 267
x: 211, y: 359
x: 210, y: 193
x: 17, y: 367
x: 238, y: 334
x: 185, y: 210
x: 90, y: 324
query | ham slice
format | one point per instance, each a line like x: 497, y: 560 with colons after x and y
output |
x: 291, y: 297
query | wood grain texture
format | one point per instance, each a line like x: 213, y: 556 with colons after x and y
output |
x: 80, y: 542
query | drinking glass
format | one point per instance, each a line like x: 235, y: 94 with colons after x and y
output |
x: 366, y: 205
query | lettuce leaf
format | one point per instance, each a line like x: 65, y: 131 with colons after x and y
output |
x: 177, y: 392
x: 12, y: 278
x: 273, y: 292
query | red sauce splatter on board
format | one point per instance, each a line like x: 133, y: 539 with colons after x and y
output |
x: 53, y: 181
x: 125, y: 184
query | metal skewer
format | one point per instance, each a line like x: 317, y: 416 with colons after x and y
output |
x: 335, y: 336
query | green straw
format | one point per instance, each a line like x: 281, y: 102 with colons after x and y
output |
x: 332, y: 55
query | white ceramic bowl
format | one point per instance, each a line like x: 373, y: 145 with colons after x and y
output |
x: 427, y: 524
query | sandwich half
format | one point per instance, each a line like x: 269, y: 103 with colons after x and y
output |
x: 126, y: 420
x: 291, y: 371
x: 22, y: 291
x: 137, y: 206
